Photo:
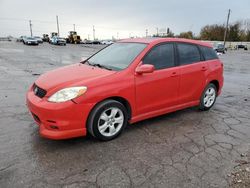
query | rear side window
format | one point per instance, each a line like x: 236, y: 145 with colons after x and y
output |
x: 161, y: 56
x: 208, y: 53
x: 188, y: 53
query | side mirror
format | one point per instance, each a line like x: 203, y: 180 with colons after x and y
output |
x: 145, y: 68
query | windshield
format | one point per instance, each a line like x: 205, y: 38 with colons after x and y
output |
x: 117, y: 56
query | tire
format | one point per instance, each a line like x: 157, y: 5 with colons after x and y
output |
x: 208, y: 97
x: 103, y: 125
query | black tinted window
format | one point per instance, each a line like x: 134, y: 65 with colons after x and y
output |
x: 188, y: 53
x: 161, y: 56
x: 208, y: 53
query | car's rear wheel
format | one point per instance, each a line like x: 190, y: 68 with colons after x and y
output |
x: 107, y: 120
x: 208, y: 97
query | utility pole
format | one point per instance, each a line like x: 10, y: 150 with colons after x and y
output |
x: 146, y: 32
x: 74, y: 27
x: 225, y: 34
x: 31, y: 34
x: 93, y: 32
x: 57, y: 26
x: 157, y: 31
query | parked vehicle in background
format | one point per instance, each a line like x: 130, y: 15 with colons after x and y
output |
x: 241, y: 46
x: 39, y: 39
x: 53, y: 34
x: 45, y: 38
x: 107, y: 42
x: 73, y: 38
x: 219, y: 48
x: 20, y: 39
x: 58, y: 40
x: 5, y: 39
x: 86, y: 41
x: 30, y: 41
x: 128, y: 81
x: 96, y: 42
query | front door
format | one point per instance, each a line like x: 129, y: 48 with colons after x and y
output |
x: 158, y: 90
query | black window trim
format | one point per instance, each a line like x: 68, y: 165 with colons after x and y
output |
x: 188, y: 43
x: 159, y: 44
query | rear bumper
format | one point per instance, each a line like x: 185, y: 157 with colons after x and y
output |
x: 58, y: 120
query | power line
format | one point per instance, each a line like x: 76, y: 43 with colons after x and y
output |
x: 67, y: 23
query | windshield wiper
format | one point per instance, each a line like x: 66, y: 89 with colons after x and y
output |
x: 97, y: 65
x: 100, y: 66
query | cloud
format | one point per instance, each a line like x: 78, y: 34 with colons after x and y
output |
x: 130, y: 17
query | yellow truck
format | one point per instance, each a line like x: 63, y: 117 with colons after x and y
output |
x: 73, y: 38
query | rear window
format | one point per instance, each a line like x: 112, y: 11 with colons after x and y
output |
x: 208, y: 53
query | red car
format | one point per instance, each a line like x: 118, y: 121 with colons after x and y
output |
x: 126, y: 82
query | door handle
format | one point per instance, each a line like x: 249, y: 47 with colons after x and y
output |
x: 173, y: 74
x: 203, y: 68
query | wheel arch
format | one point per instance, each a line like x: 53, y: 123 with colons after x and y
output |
x: 122, y: 100
x: 216, y: 83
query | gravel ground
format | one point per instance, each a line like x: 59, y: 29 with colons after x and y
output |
x: 187, y: 148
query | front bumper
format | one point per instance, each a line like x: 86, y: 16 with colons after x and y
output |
x: 58, y: 120
x: 32, y: 43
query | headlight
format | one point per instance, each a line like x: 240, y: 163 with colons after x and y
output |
x: 67, y: 94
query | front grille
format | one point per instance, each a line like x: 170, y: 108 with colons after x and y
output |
x: 39, y: 91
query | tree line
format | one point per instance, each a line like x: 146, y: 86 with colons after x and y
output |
x: 237, y: 31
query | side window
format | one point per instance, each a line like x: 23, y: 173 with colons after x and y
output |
x: 161, y: 56
x: 188, y: 53
x: 208, y: 53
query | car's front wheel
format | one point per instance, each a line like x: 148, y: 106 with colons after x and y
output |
x: 208, y: 97
x: 107, y: 120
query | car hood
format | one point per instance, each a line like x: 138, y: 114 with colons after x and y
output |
x: 71, y: 75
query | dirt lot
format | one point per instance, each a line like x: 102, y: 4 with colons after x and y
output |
x: 187, y: 148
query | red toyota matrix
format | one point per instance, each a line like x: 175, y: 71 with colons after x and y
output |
x: 126, y: 82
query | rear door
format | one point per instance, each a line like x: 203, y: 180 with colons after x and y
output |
x: 158, y: 90
x: 193, y: 71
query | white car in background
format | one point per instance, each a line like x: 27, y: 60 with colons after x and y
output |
x: 58, y: 41
x: 30, y: 41
x: 107, y: 42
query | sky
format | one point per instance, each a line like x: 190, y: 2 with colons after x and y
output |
x: 116, y: 18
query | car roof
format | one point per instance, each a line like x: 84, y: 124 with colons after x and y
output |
x: 156, y: 40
